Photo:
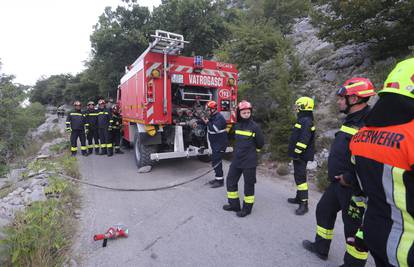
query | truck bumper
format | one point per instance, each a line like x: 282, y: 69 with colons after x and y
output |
x: 191, y: 151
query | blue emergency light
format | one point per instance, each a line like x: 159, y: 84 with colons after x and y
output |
x: 198, y: 62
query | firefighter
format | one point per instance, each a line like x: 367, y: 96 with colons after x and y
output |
x: 76, y: 124
x: 248, y: 140
x: 384, y: 158
x: 302, y: 150
x: 104, y: 122
x: 115, y: 130
x: 217, y: 136
x: 352, y: 100
x: 92, y: 135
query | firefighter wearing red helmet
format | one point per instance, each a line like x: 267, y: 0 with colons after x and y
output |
x: 248, y: 140
x: 217, y: 136
x: 352, y: 100
x: 302, y: 150
x: 384, y: 160
x: 76, y: 124
x: 115, y: 133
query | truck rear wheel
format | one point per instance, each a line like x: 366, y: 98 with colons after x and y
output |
x: 143, y: 152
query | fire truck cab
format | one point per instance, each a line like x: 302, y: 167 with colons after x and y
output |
x: 162, y: 98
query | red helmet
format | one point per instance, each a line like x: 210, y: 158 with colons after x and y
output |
x: 244, y: 105
x: 212, y: 104
x: 361, y: 87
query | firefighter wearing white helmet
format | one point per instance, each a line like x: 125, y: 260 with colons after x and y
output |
x: 76, y: 124
x: 302, y: 150
x: 384, y: 160
x: 217, y: 136
x: 248, y: 141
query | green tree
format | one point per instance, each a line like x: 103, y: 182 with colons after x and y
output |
x: 119, y: 37
x: 200, y: 21
x: 387, y: 25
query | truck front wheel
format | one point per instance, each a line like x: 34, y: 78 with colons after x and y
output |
x: 143, y: 152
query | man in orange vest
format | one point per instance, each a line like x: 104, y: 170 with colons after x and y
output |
x: 383, y: 153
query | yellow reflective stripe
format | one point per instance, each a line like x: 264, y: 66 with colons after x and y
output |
x: 258, y: 150
x: 324, y: 233
x: 356, y: 253
x: 86, y: 124
x: 400, y: 199
x: 111, y: 121
x: 313, y: 128
x: 76, y: 114
x: 348, y: 130
x: 117, y: 147
x: 302, y: 187
x: 93, y: 114
x: 354, y: 85
x: 298, y: 151
x: 96, y: 146
x: 359, y: 201
x: 302, y: 145
x: 73, y: 149
x: 90, y: 146
x: 297, y: 125
x: 109, y: 145
x: 366, y: 92
x: 103, y: 145
x: 249, y: 199
x: 245, y: 133
x: 83, y: 148
x: 232, y: 195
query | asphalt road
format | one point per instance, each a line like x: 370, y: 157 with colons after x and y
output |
x: 186, y: 226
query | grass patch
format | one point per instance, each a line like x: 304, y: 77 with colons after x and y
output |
x: 41, y: 235
x: 69, y: 165
x: 322, y: 180
x: 60, y: 147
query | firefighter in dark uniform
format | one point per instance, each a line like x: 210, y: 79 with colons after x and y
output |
x: 217, y: 136
x: 352, y: 100
x: 302, y: 150
x: 384, y: 158
x: 104, y: 122
x: 115, y: 130
x: 76, y: 124
x: 248, y: 140
x: 92, y: 135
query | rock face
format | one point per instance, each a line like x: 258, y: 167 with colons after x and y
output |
x: 50, y: 125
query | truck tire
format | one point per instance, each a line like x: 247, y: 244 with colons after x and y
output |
x: 143, y: 152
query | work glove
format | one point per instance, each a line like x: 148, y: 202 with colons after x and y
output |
x: 68, y: 130
x: 356, y: 207
x: 358, y: 241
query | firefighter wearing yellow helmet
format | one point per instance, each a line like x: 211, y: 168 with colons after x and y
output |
x: 384, y: 160
x: 302, y: 150
x: 76, y: 124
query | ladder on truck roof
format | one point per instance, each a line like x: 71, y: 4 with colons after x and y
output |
x: 167, y: 42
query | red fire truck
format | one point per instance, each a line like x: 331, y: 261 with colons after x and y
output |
x: 162, y: 97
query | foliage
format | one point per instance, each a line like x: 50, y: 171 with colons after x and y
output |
x: 387, y: 25
x: 69, y: 165
x: 16, y: 120
x: 322, y: 180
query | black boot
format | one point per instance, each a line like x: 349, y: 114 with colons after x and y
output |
x: 217, y: 183
x: 84, y: 153
x: 293, y: 200
x: 90, y: 150
x: 303, y: 208
x: 119, y: 151
x: 73, y: 153
x: 229, y: 207
x: 96, y: 151
x: 310, y: 246
x: 246, y: 210
x: 103, y: 151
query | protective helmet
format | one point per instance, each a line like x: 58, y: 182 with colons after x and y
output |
x: 401, y: 79
x: 212, y: 104
x: 101, y: 101
x: 77, y: 103
x: 361, y: 87
x: 304, y: 103
x: 244, y: 105
x: 91, y: 103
